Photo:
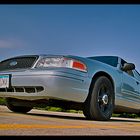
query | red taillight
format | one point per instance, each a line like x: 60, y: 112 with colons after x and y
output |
x: 79, y: 65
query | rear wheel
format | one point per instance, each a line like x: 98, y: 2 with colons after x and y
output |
x: 100, y: 102
x: 15, y: 108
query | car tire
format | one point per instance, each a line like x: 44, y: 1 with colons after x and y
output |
x: 99, y: 104
x: 18, y: 109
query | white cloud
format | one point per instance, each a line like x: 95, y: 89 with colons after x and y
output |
x: 5, y: 44
x: 11, y: 43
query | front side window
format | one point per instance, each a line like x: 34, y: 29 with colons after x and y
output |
x: 129, y: 72
x: 137, y: 75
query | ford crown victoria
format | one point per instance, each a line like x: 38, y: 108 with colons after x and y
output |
x: 98, y: 85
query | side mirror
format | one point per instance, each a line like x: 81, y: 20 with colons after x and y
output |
x: 128, y: 66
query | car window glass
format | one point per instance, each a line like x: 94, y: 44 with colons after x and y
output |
x: 130, y: 72
x: 110, y: 60
x: 137, y: 75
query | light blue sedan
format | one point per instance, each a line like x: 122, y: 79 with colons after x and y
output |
x: 98, y: 85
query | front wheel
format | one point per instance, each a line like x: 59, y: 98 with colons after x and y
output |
x: 100, y: 102
x: 18, y: 109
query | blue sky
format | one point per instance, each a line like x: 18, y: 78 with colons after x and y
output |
x: 83, y: 30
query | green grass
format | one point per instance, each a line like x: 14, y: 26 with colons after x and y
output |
x: 125, y: 115
x: 2, y: 101
x: 58, y: 109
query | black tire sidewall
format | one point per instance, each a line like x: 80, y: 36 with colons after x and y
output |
x: 18, y: 109
x: 95, y: 111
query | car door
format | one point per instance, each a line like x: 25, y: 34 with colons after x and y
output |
x: 137, y: 76
x: 130, y: 87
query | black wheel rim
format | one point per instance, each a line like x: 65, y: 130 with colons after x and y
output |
x: 104, y: 99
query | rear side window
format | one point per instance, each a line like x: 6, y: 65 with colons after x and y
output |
x: 110, y: 60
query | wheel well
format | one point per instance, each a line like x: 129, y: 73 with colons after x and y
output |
x: 102, y: 74
x: 98, y: 74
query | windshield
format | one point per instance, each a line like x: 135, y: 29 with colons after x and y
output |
x: 110, y: 60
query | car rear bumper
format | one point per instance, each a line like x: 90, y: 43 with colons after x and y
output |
x: 34, y: 85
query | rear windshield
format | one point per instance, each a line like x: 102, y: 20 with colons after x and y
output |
x: 110, y: 60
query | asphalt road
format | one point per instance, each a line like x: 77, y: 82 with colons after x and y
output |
x: 38, y: 122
